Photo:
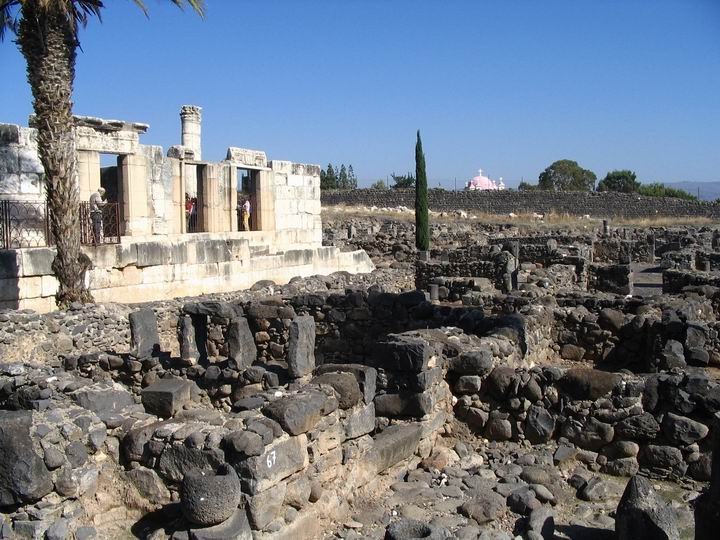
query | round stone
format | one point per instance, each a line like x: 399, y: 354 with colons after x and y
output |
x: 411, y: 529
x: 209, y: 499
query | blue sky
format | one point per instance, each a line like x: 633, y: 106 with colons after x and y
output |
x: 506, y: 85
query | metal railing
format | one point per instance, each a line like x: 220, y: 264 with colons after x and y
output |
x: 100, y: 227
x: 25, y: 224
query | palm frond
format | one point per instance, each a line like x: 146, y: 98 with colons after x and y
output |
x: 197, y: 5
x: 8, y: 17
x: 141, y: 5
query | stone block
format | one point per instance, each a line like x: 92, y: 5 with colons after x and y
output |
x: 279, y: 460
x: 9, y: 134
x: 189, y: 354
x: 10, y: 261
x: 402, y: 352
x: 209, y: 308
x: 366, y: 377
x: 478, y: 363
x: 360, y: 421
x: 468, y: 384
x: 144, y: 338
x: 150, y: 485
x: 37, y: 261
x: 328, y: 435
x: 132, y: 275
x: 23, y: 475
x: 404, y: 404
x: 242, y: 351
x: 266, y: 506
x: 153, y: 254
x: 297, y: 413
x: 301, y: 346
x: 344, y: 384
x: 166, y: 397
x: 178, y: 459
x: 395, y: 443
x: 236, y: 527
x: 588, y: 383
x: 10, y: 291
x: 126, y: 255
x: 641, y: 513
x: 49, y: 286
x: 104, y: 401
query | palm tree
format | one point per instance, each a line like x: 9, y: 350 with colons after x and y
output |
x: 47, y: 35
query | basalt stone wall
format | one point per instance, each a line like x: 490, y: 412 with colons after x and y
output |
x: 505, y: 202
x: 676, y: 281
x: 614, y: 423
x: 614, y: 250
x: 613, y: 278
x: 498, y: 267
x: 298, y: 452
x: 645, y: 339
x: 707, y: 261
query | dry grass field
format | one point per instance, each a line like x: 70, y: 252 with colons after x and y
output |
x: 549, y: 220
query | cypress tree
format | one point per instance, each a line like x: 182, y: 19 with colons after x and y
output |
x: 422, y: 225
x: 342, y: 180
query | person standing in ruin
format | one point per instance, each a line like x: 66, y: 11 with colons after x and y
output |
x: 97, y: 203
x: 192, y: 226
x: 246, y: 209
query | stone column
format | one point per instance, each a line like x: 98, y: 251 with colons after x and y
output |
x: 232, y: 172
x: 265, y: 200
x: 88, y: 170
x: 207, y: 198
x: 191, y: 119
x: 178, y: 222
x: 135, y: 195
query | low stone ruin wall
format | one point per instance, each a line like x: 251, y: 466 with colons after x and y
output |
x: 617, y: 251
x: 637, y: 336
x: 574, y: 203
x: 310, y: 398
x: 499, y: 268
x: 614, y: 423
x: 707, y: 261
x: 167, y: 268
x: 613, y: 278
x: 677, y: 281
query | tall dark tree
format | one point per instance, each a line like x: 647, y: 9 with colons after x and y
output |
x: 622, y: 181
x: 352, y: 179
x: 343, y: 181
x: 403, y: 181
x: 422, y: 217
x: 328, y: 179
x: 47, y: 35
x: 566, y: 175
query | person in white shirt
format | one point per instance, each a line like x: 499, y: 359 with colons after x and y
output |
x: 246, y: 215
x: 97, y: 203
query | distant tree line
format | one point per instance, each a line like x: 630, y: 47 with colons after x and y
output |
x: 400, y: 181
x: 338, y: 178
x: 567, y: 175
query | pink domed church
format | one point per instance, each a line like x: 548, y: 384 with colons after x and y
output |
x: 483, y: 183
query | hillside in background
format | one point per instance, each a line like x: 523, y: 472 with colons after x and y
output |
x: 709, y: 191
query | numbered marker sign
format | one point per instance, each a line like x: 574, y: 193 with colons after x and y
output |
x: 270, y: 459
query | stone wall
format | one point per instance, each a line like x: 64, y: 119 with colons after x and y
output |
x: 678, y: 281
x: 139, y: 270
x: 20, y: 168
x: 606, y: 420
x: 150, y: 186
x: 498, y: 267
x: 520, y: 202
